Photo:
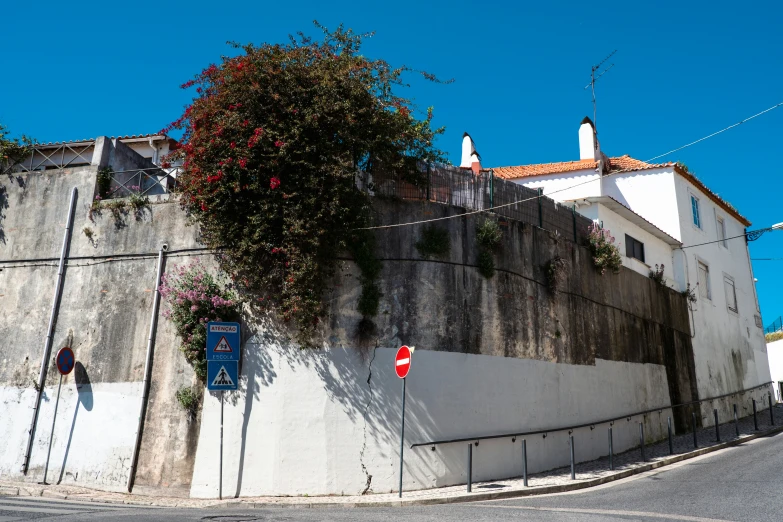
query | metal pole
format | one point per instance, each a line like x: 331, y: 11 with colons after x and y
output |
x: 470, y: 467
x: 51, y: 436
x: 145, y: 389
x: 671, y: 444
x: 573, y: 215
x: 736, y: 423
x: 540, y: 210
x: 402, y: 433
x: 573, y: 471
x: 611, y: 450
x: 220, y: 479
x: 771, y: 415
x: 693, y: 423
x: 717, y: 426
x: 524, y: 462
x: 755, y: 418
x: 50, y: 334
x: 641, y: 439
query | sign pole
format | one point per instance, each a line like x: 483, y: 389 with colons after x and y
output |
x: 220, y: 480
x: 51, y: 436
x: 402, y: 432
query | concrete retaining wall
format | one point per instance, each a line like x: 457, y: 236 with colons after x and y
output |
x: 492, y: 355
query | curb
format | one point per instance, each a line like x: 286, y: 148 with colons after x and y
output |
x: 467, y: 497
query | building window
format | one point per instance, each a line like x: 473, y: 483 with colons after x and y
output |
x: 704, y: 281
x: 695, y: 210
x: 731, y: 293
x: 722, y: 232
x: 634, y: 248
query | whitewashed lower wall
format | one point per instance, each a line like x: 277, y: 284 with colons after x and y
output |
x: 93, y: 438
x: 301, y: 428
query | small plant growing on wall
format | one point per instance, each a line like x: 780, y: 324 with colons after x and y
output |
x: 488, y: 236
x: 188, y: 399
x: 138, y: 203
x: 690, y: 294
x: 434, y: 242
x: 657, y: 275
x: 606, y: 255
x: 103, y: 181
x: 195, y: 298
x: 555, y: 273
x: 89, y: 233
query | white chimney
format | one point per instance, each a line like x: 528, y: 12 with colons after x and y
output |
x: 470, y: 158
x: 589, y: 149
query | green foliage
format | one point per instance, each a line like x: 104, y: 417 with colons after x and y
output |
x: 606, y: 255
x: 139, y: 204
x: 488, y: 234
x: 103, y: 181
x: 774, y: 336
x: 434, y: 242
x: 188, y: 398
x: 486, y: 263
x: 195, y: 298
x: 12, y: 151
x: 657, y: 275
x: 271, y: 148
x: 555, y: 273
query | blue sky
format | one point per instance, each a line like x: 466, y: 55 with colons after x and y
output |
x: 682, y: 71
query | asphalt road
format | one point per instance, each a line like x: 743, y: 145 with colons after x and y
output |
x: 743, y: 483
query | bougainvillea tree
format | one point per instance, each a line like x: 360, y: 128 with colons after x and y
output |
x: 274, y: 142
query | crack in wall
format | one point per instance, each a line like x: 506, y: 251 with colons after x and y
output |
x: 368, y: 485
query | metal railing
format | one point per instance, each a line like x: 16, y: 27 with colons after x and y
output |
x: 59, y: 156
x: 610, y: 421
x: 776, y: 326
x: 151, y: 181
x: 462, y: 188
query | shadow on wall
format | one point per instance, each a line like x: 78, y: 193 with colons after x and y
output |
x: 85, y: 399
x: 4, y: 201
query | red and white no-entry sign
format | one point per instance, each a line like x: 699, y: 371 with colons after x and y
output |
x: 402, y: 362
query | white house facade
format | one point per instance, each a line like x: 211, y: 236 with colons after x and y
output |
x: 661, y: 213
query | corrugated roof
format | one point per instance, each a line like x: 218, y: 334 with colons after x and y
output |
x: 89, y: 140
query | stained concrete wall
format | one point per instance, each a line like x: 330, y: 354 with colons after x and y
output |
x: 492, y: 355
x: 104, y: 316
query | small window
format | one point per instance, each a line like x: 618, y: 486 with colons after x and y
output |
x: 722, y: 232
x: 704, y: 281
x: 731, y: 293
x: 695, y: 209
x: 634, y: 248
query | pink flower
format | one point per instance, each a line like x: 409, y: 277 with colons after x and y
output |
x: 279, y: 143
x: 274, y: 183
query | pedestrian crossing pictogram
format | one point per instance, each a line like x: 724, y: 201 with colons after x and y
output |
x: 222, y: 378
x: 223, y: 346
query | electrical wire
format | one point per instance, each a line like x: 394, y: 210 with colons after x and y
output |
x: 571, y: 186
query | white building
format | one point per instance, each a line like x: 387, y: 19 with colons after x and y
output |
x: 661, y: 213
x: 775, y: 354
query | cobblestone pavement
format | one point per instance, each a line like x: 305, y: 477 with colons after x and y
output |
x: 585, y: 472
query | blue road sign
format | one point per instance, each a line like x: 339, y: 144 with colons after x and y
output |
x: 222, y: 341
x: 222, y: 375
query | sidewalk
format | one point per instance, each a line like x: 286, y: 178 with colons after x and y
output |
x: 588, y: 474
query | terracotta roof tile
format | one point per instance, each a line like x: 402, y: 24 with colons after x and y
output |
x: 619, y: 164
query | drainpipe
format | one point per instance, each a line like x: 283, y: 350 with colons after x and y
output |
x: 50, y: 333
x: 147, y: 367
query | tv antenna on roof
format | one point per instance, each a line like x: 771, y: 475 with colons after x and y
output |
x: 594, y: 78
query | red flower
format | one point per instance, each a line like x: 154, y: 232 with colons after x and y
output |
x: 274, y: 183
x: 279, y: 143
x: 203, y: 207
x: 243, y: 162
x: 233, y: 145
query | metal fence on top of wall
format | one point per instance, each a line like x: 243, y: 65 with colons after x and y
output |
x: 463, y: 188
